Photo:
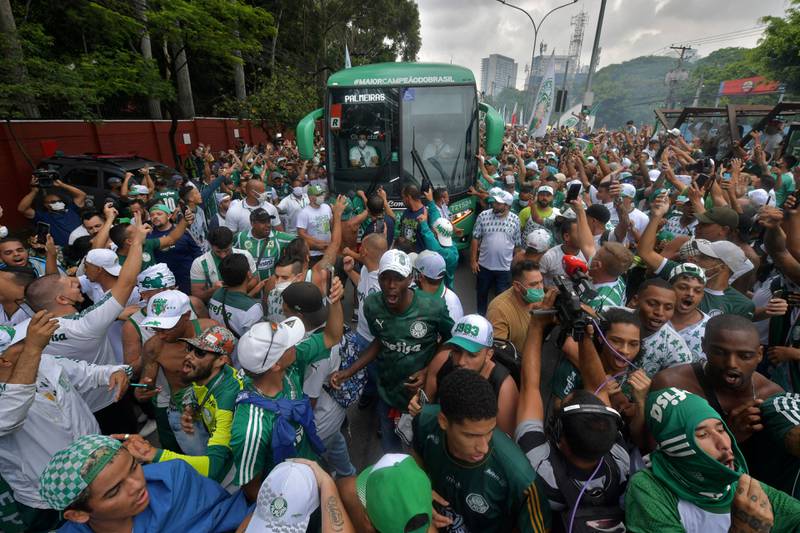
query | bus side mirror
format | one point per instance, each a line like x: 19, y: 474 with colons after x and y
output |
x: 305, y: 134
x: 495, y: 129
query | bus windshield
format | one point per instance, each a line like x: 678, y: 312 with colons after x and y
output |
x: 440, y: 123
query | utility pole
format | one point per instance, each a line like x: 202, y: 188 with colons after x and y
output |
x: 673, y: 76
x: 588, y: 96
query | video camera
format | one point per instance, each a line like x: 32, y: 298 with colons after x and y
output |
x: 573, y: 289
x: 45, y: 178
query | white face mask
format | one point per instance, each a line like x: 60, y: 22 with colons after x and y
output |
x: 280, y: 287
x: 523, y: 203
x: 298, y: 191
x: 57, y: 206
x: 362, y: 143
x: 3, y: 232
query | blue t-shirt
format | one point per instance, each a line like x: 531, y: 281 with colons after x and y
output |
x: 61, y: 224
x: 178, y: 257
x: 182, y: 500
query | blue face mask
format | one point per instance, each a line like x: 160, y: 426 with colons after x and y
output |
x: 533, y: 296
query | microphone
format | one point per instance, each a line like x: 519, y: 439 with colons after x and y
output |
x: 573, y: 265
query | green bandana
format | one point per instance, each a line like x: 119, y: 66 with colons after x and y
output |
x: 678, y: 462
x: 70, y: 471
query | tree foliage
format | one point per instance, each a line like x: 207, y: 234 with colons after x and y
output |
x: 778, y: 53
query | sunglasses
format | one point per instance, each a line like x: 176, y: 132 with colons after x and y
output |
x: 197, y: 351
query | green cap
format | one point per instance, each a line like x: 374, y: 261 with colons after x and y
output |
x: 473, y: 333
x: 314, y: 190
x: 160, y: 207
x: 493, y: 161
x: 396, y: 494
x: 69, y: 472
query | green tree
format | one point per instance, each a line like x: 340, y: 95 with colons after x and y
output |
x: 778, y: 53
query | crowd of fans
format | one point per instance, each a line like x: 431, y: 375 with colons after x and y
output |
x: 176, y: 356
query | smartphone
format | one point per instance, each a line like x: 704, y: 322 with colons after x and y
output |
x: 702, y: 179
x: 796, y: 196
x: 573, y: 192
x: 422, y: 397
x: 331, y: 273
x: 726, y: 176
x: 42, y: 231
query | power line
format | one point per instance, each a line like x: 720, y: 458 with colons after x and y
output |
x: 730, y: 34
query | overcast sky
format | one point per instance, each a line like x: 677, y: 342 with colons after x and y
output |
x: 464, y: 31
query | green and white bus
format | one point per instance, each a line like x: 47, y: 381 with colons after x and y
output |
x: 421, y: 122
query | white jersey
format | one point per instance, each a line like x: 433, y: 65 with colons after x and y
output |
x: 453, y: 304
x: 317, y: 223
x: 364, y: 156
x: 238, y: 216
x: 366, y: 286
x: 551, y: 264
x: 37, y: 420
x: 23, y: 313
x: 289, y: 208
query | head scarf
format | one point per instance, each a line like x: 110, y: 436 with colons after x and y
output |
x: 679, y: 462
x: 157, y: 276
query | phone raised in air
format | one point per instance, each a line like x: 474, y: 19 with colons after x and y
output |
x: 42, y: 231
x: 573, y: 192
x: 702, y: 179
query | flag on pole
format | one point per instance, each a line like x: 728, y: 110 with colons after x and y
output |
x: 347, y: 63
x: 503, y: 113
x: 514, y: 115
x: 545, y: 99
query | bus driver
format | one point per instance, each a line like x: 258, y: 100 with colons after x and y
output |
x: 363, y: 155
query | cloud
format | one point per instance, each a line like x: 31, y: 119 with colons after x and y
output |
x: 464, y: 31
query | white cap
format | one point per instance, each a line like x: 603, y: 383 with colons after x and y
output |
x: 137, y: 190
x: 157, y: 276
x: 626, y: 163
x: 510, y: 179
x: 105, y: 259
x: 444, y: 231
x: 545, y: 188
x: 165, y: 309
x: 560, y: 177
x: 539, y: 239
x: 728, y: 253
x: 473, y: 333
x: 674, y: 131
x: 430, y: 264
x: 628, y: 190
x: 533, y: 166
x: 591, y: 159
x: 264, y: 343
x: 653, y: 174
x: 758, y: 197
x: 503, y: 197
x: 395, y: 261
x: 574, y: 182
x: 286, y: 500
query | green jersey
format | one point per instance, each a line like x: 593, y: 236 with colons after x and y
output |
x: 168, y: 197
x: 716, y: 302
x: 651, y: 506
x: 251, y: 434
x: 501, y: 493
x: 408, y: 340
x: 10, y: 517
x: 767, y: 457
x: 236, y: 310
x: 608, y: 295
x: 149, y: 249
x: 265, y: 251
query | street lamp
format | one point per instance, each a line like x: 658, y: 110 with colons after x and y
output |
x: 536, y: 27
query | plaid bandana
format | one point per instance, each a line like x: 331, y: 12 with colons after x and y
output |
x: 65, y: 477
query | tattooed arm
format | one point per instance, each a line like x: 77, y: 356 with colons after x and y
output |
x: 334, y: 516
x: 751, y: 511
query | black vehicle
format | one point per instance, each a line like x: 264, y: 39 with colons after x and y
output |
x: 91, y: 172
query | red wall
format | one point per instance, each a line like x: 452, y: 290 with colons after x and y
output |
x: 145, y: 138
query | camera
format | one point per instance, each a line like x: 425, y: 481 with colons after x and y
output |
x: 45, y: 178
x: 704, y: 165
x: 571, y: 293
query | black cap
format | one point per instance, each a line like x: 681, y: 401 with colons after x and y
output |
x: 305, y: 298
x: 599, y: 212
x: 260, y: 215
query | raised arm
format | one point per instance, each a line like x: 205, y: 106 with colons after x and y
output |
x: 335, y: 323
x: 100, y: 240
x: 177, y: 232
x: 531, y: 406
x: 647, y: 242
x: 126, y: 281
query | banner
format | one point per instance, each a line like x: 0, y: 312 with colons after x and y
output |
x: 570, y: 120
x: 514, y: 115
x: 545, y: 99
x: 745, y: 86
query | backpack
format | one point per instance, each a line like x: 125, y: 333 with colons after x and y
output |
x: 505, y: 353
x: 598, y: 510
x: 351, y: 390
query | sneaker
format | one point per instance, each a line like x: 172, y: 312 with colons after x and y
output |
x: 148, y: 428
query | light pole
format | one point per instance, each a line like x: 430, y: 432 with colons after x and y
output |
x: 536, y: 27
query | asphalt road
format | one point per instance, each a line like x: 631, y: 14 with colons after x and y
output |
x: 362, y: 429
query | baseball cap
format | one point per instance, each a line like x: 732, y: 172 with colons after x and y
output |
x: 64, y: 479
x: 503, y: 197
x: 493, y: 161
x: 544, y: 188
x: 675, y: 132
x: 688, y: 269
x: 305, y: 298
x: 532, y: 166
x: 430, y: 264
x: 158, y: 276
x: 626, y: 162
x: 220, y: 197
x: 264, y: 343
x: 724, y: 216
x: 215, y: 339
x: 160, y: 207
x: 599, y: 212
x: 137, y: 190
x: 444, y: 231
x: 395, y: 491
x: 591, y: 159
x: 314, y: 190
x: 472, y: 333
x: 653, y: 174
x: 628, y: 189
x: 560, y: 177
x: 395, y: 261
x: 759, y: 197
x: 539, y: 239
x: 728, y: 253
x: 260, y: 214
x: 165, y: 309
x: 286, y: 500
x: 105, y: 259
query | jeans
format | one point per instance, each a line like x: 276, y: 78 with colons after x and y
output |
x: 336, y: 455
x: 194, y: 444
x: 390, y: 442
x: 500, y: 279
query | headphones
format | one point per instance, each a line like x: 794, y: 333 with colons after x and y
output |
x: 583, y: 409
